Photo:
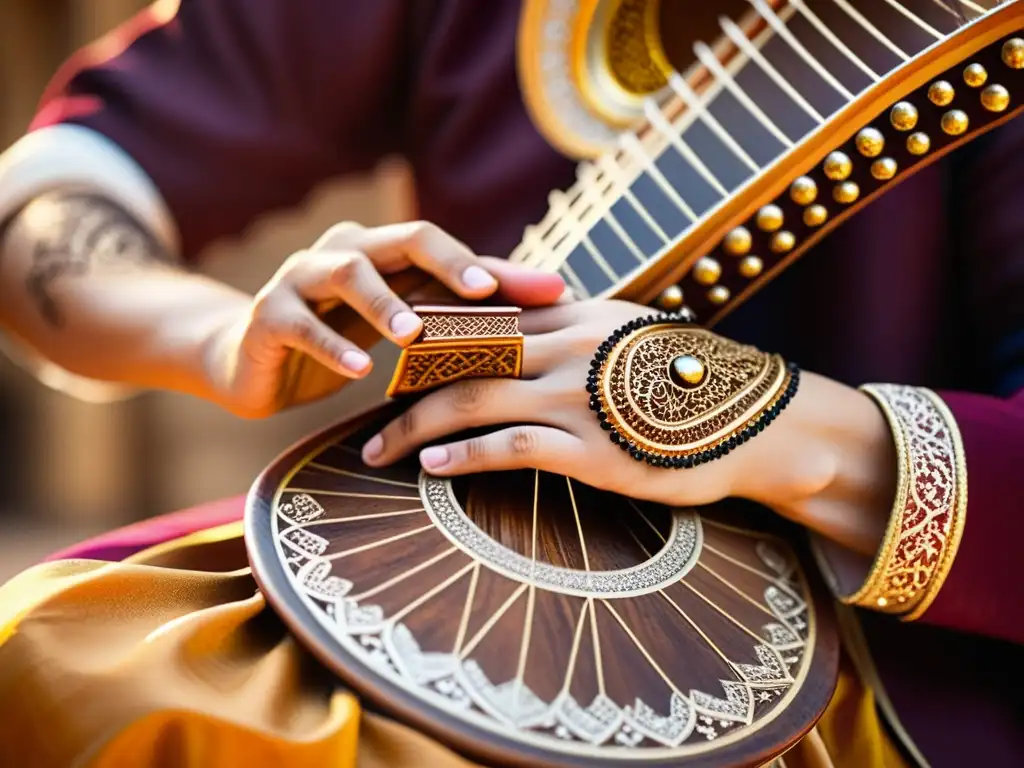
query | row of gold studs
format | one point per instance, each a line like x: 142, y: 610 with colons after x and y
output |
x: 838, y: 166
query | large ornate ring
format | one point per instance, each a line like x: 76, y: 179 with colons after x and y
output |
x: 675, y: 395
x: 460, y: 343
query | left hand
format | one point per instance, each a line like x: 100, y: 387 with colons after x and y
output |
x: 555, y: 429
x: 827, y: 461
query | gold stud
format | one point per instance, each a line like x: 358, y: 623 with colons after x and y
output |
x: 1013, y: 53
x: 751, y: 267
x: 769, y: 218
x: 975, y: 75
x: 918, y: 143
x: 671, y: 298
x: 941, y: 93
x: 815, y: 215
x: 783, y: 241
x: 838, y: 166
x: 884, y: 168
x: 707, y: 271
x: 687, y: 371
x: 954, y: 122
x: 737, y: 242
x: 870, y: 142
x: 995, y: 98
x: 846, y: 193
x: 903, y: 116
x: 718, y: 295
x: 803, y: 191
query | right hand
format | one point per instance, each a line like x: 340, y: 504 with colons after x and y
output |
x: 278, y: 352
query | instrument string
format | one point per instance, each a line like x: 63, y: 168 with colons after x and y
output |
x: 823, y: 29
x: 374, y: 545
x: 697, y: 107
x: 374, y: 591
x: 577, y: 639
x: 657, y: 119
x: 640, y: 647
x: 358, y: 476
x: 352, y: 494
x: 358, y: 518
x: 435, y: 590
x: 612, y: 220
x: 780, y: 28
x: 613, y: 171
x: 531, y: 597
x: 675, y: 605
x: 735, y: 34
x: 916, y: 19
x: 467, y: 608
x: 871, y: 29
x: 495, y: 618
x: 709, y: 60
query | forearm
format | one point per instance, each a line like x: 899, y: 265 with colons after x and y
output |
x: 89, y: 289
x: 833, y: 469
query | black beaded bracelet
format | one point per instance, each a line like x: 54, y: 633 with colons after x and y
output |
x: 635, y: 431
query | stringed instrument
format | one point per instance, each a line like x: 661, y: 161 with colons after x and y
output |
x: 526, y: 619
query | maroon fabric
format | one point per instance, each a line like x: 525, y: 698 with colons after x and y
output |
x: 237, y: 107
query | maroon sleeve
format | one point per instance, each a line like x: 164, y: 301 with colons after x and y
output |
x: 984, y: 592
x: 237, y: 107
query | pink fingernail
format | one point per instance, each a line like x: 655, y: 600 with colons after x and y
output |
x: 478, y: 278
x: 405, y: 324
x: 355, y: 361
x: 434, y: 457
x: 373, y: 448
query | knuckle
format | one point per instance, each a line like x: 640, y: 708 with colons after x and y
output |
x: 348, y: 268
x: 381, y: 305
x: 423, y: 232
x: 407, y: 423
x: 476, y: 450
x: 337, y: 235
x: 523, y: 441
x: 469, y: 395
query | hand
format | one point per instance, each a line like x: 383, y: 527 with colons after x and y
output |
x: 278, y: 352
x: 827, y: 461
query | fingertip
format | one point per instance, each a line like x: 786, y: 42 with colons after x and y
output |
x: 356, y: 363
x: 405, y: 326
x: 478, y: 281
x: 435, y: 457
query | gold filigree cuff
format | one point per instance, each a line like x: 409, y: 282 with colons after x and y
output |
x: 930, y: 509
x: 459, y: 343
x: 675, y: 395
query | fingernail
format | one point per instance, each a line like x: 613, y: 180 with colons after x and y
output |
x: 478, y: 278
x: 373, y: 448
x: 434, y: 457
x: 354, y: 360
x: 405, y: 324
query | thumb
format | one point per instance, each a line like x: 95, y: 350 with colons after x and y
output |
x: 524, y: 286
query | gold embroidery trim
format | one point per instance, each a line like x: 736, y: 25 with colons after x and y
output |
x: 930, y: 510
x: 459, y: 343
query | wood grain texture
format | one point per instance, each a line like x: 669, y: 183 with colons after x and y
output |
x: 395, y: 571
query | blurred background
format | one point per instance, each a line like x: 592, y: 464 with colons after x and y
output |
x: 70, y: 469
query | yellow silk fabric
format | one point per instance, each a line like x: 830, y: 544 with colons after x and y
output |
x: 172, y: 658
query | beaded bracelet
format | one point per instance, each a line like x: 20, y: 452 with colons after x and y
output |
x: 677, y: 396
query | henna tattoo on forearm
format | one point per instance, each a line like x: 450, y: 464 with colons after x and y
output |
x: 77, y: 235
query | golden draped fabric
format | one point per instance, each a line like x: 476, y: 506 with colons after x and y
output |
x: 172, y: 659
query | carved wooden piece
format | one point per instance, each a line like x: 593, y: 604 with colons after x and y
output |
x: 525, y: 619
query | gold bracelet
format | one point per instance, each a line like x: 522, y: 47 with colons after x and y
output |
x: 928, y: 516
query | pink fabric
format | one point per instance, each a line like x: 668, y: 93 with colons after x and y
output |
x: 124, y: 542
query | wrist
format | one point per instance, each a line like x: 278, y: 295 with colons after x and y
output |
x: 831, y: 468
